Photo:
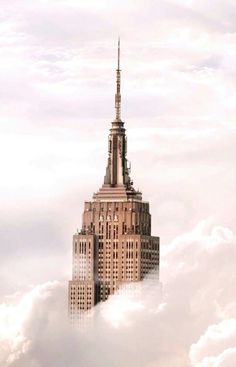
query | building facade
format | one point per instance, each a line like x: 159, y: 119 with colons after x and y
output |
x: 114, y: 246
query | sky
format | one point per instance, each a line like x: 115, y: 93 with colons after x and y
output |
x: 178, y: 85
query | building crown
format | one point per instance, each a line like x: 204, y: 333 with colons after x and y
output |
x: 117, y: 177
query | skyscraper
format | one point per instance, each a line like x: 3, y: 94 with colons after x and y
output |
x: 114, y: 245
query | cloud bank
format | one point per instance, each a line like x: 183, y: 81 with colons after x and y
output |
x: 192, y: 323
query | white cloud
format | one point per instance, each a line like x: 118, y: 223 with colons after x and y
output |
x: 193, y: 324
x: 13, y: 320
x: 216, y: 347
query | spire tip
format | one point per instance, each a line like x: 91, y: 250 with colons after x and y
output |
x: 119, y: 53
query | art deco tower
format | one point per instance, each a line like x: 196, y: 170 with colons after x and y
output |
x: 115, y: 245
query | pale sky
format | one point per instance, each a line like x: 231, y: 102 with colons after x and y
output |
x: 57, y: 74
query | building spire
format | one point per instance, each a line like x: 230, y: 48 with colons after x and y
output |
x: 118, y: 53
x: 118, y: 95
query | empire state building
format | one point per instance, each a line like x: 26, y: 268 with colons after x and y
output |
x: 115, y: 245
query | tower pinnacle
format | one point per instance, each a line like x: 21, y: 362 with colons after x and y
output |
x: 118, y: 53
x: 117, y: 179
x: 118, y: 95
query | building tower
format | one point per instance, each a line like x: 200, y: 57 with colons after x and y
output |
x: 115, y: 245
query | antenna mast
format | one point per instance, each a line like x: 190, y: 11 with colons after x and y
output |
x: 118, y: 95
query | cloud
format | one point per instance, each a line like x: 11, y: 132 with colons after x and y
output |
x: 13, y: 323
x: 178, y: 100
x: 216, y: 348
x: 191, y: 324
